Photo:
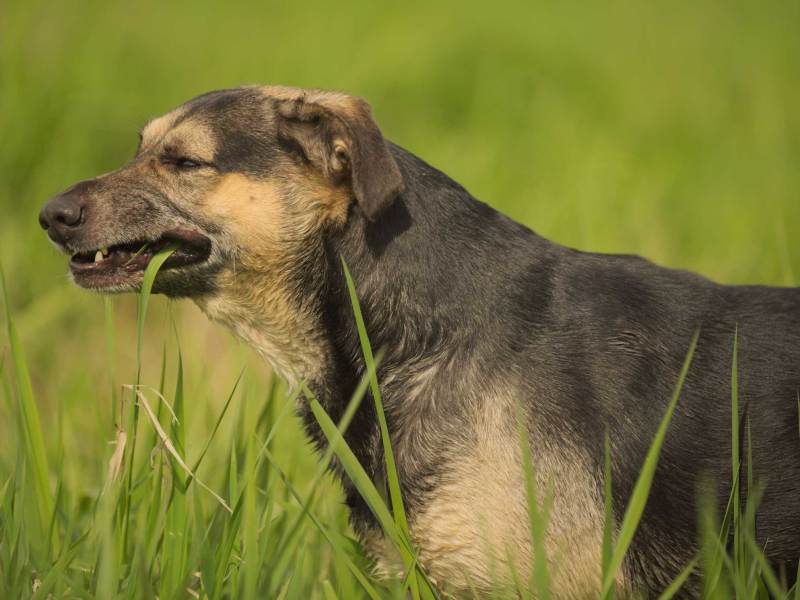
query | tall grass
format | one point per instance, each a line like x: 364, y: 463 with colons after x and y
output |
x: 154, y: 528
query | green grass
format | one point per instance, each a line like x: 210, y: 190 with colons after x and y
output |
x: 667, y: 130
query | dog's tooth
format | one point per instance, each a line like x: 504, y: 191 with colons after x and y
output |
x: 104, y: 250
x: 98, y: 257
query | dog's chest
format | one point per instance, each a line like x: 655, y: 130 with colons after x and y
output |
x: 472, y: 530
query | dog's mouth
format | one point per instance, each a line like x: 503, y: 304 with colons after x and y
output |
x: 122, y: 265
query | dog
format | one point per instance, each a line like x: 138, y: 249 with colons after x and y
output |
x: 264, y: 190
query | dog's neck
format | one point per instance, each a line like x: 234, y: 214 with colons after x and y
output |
x: 274, y: 311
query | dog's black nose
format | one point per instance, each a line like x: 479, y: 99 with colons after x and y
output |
x: 64, y: 214
x: 62, y: 210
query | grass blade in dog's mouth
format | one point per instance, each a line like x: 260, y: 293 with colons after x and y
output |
x: 138, y: 252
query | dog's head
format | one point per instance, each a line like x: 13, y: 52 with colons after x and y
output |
x: 238, y: 180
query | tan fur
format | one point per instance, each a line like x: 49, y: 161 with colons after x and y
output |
x: 155, y: 129
x: 193, y: 139
x: 188, y: 137
x: 473, y: 534
x: 337, y: 102
x: 252, y: 299
x: 476, y: 520
x: 269, y: 218
x: 327, y: 202
x: 252, y: 213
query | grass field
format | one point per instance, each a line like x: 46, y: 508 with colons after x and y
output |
x: 669, y: 130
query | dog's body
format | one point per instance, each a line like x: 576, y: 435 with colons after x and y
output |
x: 477, y: 316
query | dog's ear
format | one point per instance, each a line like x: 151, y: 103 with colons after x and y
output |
x: 337, y: 135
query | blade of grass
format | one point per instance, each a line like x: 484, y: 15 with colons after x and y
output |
x: 136, y: 254
x: 233, y: 476
x: 353, y: 468
x: 291, y: 537
x: 106, y: 570
x: 221, y: 416
x: 328, y: 592
x: 712, y: 567
x: 249, y: 542
x: 177, y: 427
x: 285, y: 589
x: 676, y: 585
x: 363, y: 483
x: 797, y: 583
x: 368, y: 588
x: 156, y: 517
x: 30, y: 426
x: 608, y: 510
x: 641, y: 490
x: 57, y: 570
x: 393, y: 480
x: 148, y: 279
x: 712, y: 550
x: 170, y: 447
x: 735, y: 459
x: 369, y: 361
x: 767, y: 577
x: 108, y: 308
x: 225, y: 552
x: 537, y: 519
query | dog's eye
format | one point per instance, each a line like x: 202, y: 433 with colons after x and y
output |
x: 187, y: 163
x: 182, y: 163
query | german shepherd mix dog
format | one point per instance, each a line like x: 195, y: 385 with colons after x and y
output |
x: 265, y: 189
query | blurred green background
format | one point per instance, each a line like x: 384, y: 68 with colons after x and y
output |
x: 666, y: 129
